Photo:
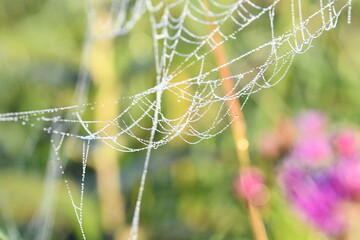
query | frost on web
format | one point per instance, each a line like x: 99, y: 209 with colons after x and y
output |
x: 185, y: 38
x: 186, y: 34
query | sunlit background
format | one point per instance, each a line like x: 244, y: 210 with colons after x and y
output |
x: 192, y: 192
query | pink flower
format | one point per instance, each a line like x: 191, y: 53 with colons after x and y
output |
x: 348, y: 175
x: 312, y: 123
x: 347, y: 143
x: 250, y: 185
x: 314, y: 151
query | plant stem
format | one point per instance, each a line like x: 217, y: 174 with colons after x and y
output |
x: 106, y: 159
x: 236, y: 115
x: 238, y: 128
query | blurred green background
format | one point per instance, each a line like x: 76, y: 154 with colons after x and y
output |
x: 189, y: 193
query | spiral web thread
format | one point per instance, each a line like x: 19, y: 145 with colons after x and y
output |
x: 186, y: 71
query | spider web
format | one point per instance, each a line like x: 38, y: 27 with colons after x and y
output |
x: 186, y: 33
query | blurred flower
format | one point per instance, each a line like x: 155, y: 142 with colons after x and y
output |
x: 270, y: 145
x: 311, y: 123
x: 290, y: 176
x: 315, y: 151
x: 316, y: 197
x: 320, y: 172
x: 250, y: 185
x: 275, y: 142
x: 346, y: 143
x: 348, y: 175
x: 286, y: 131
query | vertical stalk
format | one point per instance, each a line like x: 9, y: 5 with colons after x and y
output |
x: 238, y: 128
x: 106, y: 162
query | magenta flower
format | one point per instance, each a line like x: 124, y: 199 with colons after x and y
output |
x: 313, y: 151
x: 347, y: 174
x: 316, y: 197
x: 320, y: 174
x: 319, y: 203
x: 318, y: 193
